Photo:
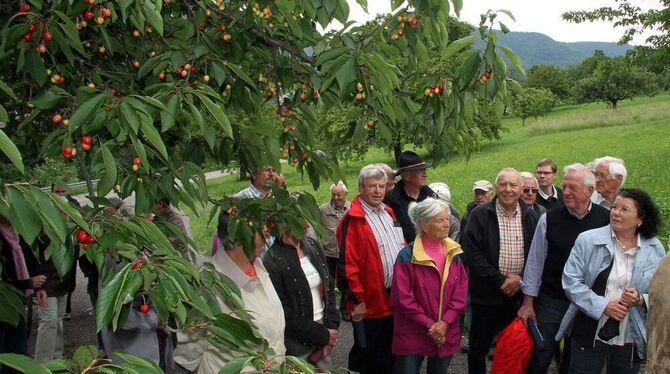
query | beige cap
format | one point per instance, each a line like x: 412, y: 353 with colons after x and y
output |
x: 483, y: 185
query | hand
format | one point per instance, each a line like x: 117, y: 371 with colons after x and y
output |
x: 527, y: 310
x: 616, y: 311
x: 41, y: 298
x: 359, y: 313
x: 511, y: 286
x: 332, y: 340
x: 438, y: 332
x: 630, y: 297
x: 38, y: 281
x: 326, y: 350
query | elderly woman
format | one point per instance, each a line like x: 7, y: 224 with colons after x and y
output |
x: 258, y: 296
x: 299, y: 272
x: 428, y: 293
x: 606, y: 278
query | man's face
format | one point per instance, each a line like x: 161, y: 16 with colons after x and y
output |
x: 606, y: 183
x: 529, y: 192
x: 545, y: 176
x: 60, y: 191
x: 508, y: 189
x: 416, y: 178
x: 264, y: 177
x: 338, y: 197
x: 372, y: 191
x: 575, y: 195
x: 482, y: 197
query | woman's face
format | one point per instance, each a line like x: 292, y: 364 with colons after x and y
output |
x: 438, y: 227
x: 624, y: 217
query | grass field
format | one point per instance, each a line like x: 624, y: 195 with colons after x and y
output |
x: 638, y: 132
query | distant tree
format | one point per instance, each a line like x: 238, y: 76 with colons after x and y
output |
x: 615, y: 79
x: 550, y: 77
x: 586, y: 67
x: 533, y: 102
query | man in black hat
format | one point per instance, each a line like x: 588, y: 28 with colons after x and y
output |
x: 411, y: 187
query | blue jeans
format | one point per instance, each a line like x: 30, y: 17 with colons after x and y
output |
x: 591, y: 360
x: 411, y: 364
x: 549, y: 312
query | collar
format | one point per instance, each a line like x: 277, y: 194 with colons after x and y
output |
x: 574, y: 214
x: 339, y: 210
x: 420, y: 257
x: 257, y: 194
x: 618, y: 244
x: 501, y: 211
x: 553, y: 193
x: 225, y: 265
x: 369, y: 209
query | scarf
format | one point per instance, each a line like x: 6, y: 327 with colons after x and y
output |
x: 17, y: 255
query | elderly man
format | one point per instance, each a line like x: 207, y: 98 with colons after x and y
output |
x: 610, y: 175
x: 549, y: 195
x: 168, y: 213
x: 369, y: 242
x: 495, y: 245
x: 411, y: 188
x: 331, y: 212
x: 544, y: 298
x: 482, y: 193
x: 261, y: 183
x: 444, y: 193
x: 529, y: 192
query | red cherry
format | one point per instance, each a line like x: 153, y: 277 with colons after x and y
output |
x: 86, y: 146
x: 47, y: 36
x: 61, y: 79
x: 24, y: 8
x: 106, y: 13
x: 315, y: 94
x: 82, y: 236
x: 144, y: 308
x: 137, y: 160
x: 41, y: 48
x: 87, y: 139
x: 269, y: 94
x: 84, y: 246
x: 28, y: 37
x: 32, y: 27
x: 91, y: 239
x: 137, y: 265
x: 88, y: 15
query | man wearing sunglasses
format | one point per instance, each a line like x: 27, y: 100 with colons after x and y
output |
x: 529, y: 192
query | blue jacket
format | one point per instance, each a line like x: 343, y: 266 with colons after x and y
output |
x: 593, y: 252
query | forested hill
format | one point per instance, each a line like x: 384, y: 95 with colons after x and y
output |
x: 535, y: 48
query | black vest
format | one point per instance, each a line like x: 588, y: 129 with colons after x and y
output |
x: 562, y: 231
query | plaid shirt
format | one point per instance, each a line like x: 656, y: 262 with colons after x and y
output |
x: 511, y: 240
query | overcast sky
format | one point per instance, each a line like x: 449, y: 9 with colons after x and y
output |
x: 531, y: 15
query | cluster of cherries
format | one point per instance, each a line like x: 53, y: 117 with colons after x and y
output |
x: 84, y: 238
x: 486, y: 76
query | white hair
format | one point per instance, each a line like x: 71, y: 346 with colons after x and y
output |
x: 442, y: 190
x: 339, y: 184
x: 421, y: 213
x: 589, y: 177
x: 371, y: 171
x: 390, y: 173
x: 509, y: 170
x: 615, y: 166
x: 528, y: 175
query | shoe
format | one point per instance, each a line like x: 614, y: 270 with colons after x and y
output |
x: 66, y: 316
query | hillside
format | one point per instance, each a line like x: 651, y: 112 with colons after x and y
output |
x: 536, y: 48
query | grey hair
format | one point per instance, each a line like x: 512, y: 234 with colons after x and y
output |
x: 615, y: 166
x: 339, y: 184
x: 529, y: 175
x: 421, y: 213
x: 442, y: 190
x: 390, y: 173
x: 589, y: 177
x: 509, y: 170
x: 371, y: 171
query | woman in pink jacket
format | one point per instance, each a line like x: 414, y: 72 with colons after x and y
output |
x: 428, y: 293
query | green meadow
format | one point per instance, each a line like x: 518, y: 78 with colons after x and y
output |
x: 638, y: 132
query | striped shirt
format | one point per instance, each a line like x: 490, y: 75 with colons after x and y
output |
x: 388, y: 236
x: 510, y: 261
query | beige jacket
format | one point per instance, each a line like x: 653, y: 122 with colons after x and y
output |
x: 261, y: 301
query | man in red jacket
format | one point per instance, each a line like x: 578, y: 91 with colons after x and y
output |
x: 369, y: 239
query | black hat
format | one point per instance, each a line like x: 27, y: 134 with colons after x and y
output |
x: 410, y: 161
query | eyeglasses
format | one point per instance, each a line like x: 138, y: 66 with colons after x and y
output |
x: 544, y: 172
x: 529, y: 190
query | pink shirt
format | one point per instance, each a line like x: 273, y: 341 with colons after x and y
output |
x: 435, y: 249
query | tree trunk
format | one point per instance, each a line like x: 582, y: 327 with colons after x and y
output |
x: 87, y: 178
x: 397, y: 150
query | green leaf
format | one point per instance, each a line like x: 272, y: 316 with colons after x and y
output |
x: 236, y: 365
x: 503, y: 28
x: 23, y: 363
x: 25, y: 219
x: 514, y: 58
x: 46, y: 100
x: 85, y: 355
x: 108, y: 181
x: 458, y: 5
x: 153, y: 17
x: 85, y: 112
x: 70, y: 31
x: 363, y: 4
x: 152, y: 101
x: 52, y: 220
x: 242, y: 74
x: 35, y: 66
x: 11, y: 151
x: 140, y: 362
x: 112, y: 297
x: 219, y: 73
x: 63, y: 258
x: 154, y: 138
x: 8, y: 90
x: 169, y: 115
x: 129, y: 116
x: 69, y: 210
x: 218, y: 114
x: 507, y: 12
x: 4, y: 116
x: 13, y: 308
x: 458, y: 45
x: 346, y: 76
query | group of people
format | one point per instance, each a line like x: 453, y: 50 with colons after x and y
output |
x: 576, y: 259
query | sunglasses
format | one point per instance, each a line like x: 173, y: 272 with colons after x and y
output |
x: 529, y: 190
